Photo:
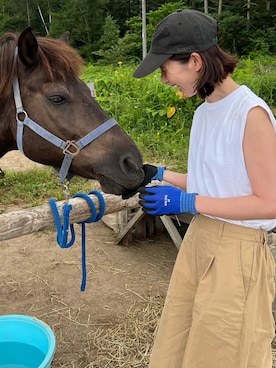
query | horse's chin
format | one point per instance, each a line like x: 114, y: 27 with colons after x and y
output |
x: 109, y: 186
x: 112, y: 188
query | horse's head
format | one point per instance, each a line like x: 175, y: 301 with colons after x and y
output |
x: 56, y: 99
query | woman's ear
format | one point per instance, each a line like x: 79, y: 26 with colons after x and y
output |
x: 196, y: 61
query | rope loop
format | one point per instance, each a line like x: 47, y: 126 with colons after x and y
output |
x: 63, y: 229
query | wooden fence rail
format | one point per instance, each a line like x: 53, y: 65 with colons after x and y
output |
x: 27, y: 221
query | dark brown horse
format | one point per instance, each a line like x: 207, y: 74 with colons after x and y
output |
x: 58, y: 114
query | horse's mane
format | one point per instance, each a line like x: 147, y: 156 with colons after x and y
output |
x: 57, y: 58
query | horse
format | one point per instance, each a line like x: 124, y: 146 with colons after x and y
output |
x: 48, y: 113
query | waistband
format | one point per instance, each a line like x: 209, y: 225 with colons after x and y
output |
x: 222, y: 228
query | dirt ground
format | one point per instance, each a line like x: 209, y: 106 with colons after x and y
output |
x: 111, y: 323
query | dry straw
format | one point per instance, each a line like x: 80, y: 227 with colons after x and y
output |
x: 128, y: 342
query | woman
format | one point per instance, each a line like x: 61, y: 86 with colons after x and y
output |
x: 218, y: 310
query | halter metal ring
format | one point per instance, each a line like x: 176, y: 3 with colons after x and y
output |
x: 23, y: 114
x: 71, y: 145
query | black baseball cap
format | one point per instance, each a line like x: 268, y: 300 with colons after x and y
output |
x: 182, y: 32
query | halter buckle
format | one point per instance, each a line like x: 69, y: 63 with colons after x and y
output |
x: 71, y: 148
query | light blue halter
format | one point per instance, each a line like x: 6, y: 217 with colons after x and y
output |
x: 69, y: 148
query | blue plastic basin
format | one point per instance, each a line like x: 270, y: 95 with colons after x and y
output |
x: 25, y: 342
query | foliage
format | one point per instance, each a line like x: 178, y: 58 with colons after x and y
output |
x: 233, y: 32
x: 113, y: 48
x: 110, y: 33
x: 242, y: 32
x: 154, y: 114
x: 262, y: 42
x: 83, y: 19
x: 237, y: 36
x: 124, y: 10
x: 259, y: 74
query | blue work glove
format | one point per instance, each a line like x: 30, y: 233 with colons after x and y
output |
x: 166, y: 200
x: 151, y: 173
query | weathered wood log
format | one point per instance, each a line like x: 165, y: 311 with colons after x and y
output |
x: 34, y: 219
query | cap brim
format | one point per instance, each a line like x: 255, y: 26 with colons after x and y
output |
x: 150, y: 63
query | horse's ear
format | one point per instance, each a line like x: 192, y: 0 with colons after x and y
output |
x: 28, y: 48
x: 65, y: 37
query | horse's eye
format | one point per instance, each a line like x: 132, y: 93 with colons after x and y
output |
x: 57, y: 99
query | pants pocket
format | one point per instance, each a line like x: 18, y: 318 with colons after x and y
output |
x: 246, y: 259
x: 208, y: 268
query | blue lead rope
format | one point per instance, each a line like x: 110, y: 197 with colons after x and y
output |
x: 63, y: 229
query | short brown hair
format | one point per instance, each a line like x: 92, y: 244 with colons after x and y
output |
x: 217, y: 65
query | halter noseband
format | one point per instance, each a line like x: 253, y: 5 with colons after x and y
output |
x: 69, y: 148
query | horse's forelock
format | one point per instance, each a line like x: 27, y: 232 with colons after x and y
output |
x: 58, y: 59
x: 8, y: 43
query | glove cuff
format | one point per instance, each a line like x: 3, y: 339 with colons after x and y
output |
x: 160, y: 173
x: 187, y: 203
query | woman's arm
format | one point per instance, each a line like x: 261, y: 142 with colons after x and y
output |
x: 259, y: 148
x: 176, y: 179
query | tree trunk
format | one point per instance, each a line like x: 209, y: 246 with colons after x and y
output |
x: 248, y: 10
x: 219, y: 6
x: 144, y: 29
x: 267, y: 5
x: 206, y: 7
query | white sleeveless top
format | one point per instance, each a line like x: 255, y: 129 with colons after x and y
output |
x: 216, y: 166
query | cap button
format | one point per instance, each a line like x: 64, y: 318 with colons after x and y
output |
x: 179, y: 10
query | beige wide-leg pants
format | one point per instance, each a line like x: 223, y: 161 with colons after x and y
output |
x: 218, y: 310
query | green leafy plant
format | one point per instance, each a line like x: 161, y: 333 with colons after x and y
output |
x: 260, y: 75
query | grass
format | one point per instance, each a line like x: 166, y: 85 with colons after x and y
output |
x: 35, y: 187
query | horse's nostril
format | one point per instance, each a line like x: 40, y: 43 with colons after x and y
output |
x: 129, y: 166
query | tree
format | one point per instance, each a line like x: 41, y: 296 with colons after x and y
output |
x: 110, y: 36
x: 85, y: 19
x: 16, y: 15
x: 233, y: 32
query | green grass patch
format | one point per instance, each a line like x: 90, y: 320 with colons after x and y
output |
x: 36, y: 186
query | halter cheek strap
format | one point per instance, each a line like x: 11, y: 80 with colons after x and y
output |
x: 69, y: 148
